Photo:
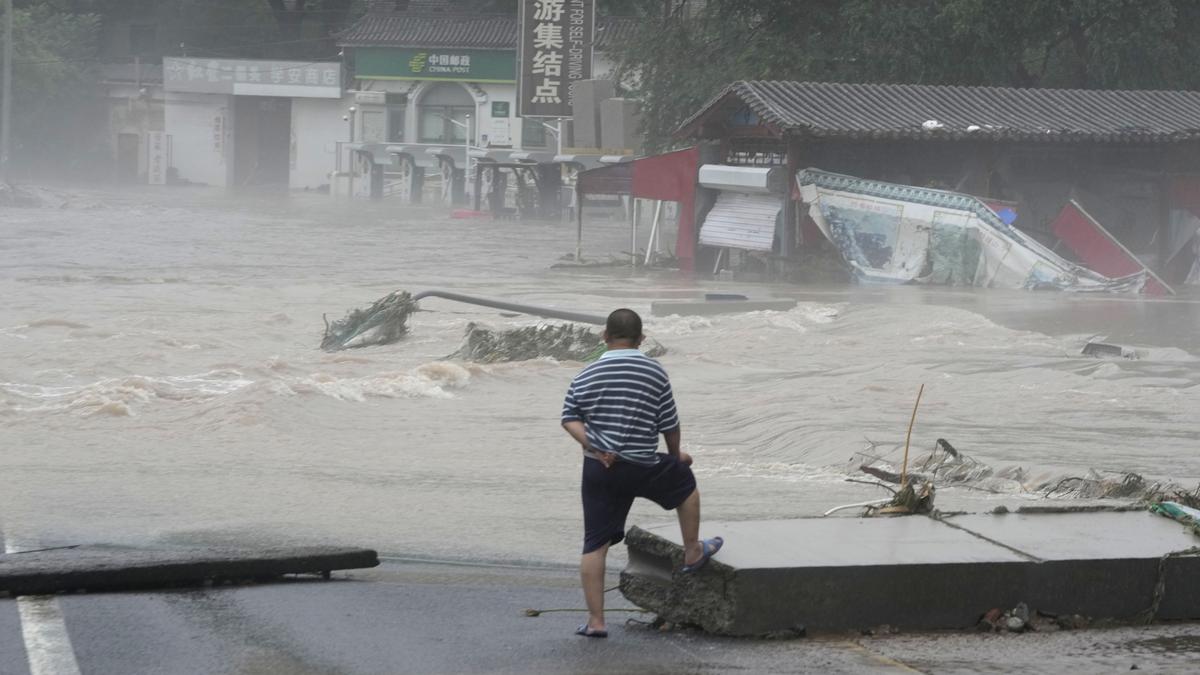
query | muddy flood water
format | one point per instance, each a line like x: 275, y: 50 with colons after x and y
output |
x: 160, y: 381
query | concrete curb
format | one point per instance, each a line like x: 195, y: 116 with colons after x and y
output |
x: 98, y: 568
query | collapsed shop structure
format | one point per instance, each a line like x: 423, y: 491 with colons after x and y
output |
x: 1110, y: 179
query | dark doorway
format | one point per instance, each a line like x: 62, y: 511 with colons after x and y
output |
x: 262, y: 138
x: 128, y: 153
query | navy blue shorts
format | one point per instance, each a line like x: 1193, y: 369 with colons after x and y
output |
x: 609, y: 493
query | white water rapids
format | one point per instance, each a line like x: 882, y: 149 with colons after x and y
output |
x: 160, y: 381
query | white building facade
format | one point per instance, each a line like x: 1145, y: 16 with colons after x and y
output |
x: 426, y: 84
x: 252, y: 123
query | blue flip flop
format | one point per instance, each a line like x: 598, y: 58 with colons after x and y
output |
x: 588, y: 632
x: 708, y: 548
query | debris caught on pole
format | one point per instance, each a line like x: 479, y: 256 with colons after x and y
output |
x: 908, y: 438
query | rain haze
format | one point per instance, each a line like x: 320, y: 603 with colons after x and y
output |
x: 815, y: 212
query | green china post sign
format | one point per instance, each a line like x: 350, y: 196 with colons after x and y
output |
x: 463, y: 65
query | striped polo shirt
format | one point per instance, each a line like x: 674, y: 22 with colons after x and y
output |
x: 625, y: 401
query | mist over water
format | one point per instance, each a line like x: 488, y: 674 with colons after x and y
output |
x: 160, y: 381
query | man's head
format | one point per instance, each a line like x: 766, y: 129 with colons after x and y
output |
x: 623, y: 329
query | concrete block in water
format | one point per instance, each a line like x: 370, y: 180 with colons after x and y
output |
x: 619, y: 122
x: 97, y: 568
x: 710, y: 307
x: 914, y: 572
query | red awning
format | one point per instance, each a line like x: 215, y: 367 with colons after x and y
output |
x: 668, y: 177
x: 1099, y: 250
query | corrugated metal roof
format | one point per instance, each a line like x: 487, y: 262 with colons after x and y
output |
x: 914, y: 111
x: 426, y: 28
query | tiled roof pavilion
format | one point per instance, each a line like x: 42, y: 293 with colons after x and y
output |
x: 434, y: 25
x: 927, y: 112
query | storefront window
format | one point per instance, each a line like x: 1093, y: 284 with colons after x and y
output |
x: 439, y: 109
x: 397, y: 106
x: 533, y: 134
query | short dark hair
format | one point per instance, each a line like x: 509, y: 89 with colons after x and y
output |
x: 623, y: 324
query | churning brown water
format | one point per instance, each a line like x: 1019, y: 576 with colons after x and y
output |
x: 160, y: 381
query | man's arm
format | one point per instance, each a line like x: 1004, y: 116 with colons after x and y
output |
x: 668, y: 424
x: 578, y: 431
x: 672, y: 438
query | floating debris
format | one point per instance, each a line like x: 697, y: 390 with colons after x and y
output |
x: 1103, y: 349
x: 384, y: 322
x: 1179, y: 496
x: 908, y: 500
x: 564, y: 342
x: 1098, y: 486
x: 945, y: 466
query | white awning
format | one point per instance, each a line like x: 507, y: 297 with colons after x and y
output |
x: 741, y: 221
x: 745, y: 179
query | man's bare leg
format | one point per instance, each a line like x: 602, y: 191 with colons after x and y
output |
x: 689, y: 527
x: 591, y: 574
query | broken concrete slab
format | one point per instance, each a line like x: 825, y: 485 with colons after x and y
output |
x: 915, y: 572
x: 1099, y: 564
x: 711, y: 307
x: 99, y: 568
x: 1080, y: 536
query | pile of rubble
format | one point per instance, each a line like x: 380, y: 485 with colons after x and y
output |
x: 1021, y: 619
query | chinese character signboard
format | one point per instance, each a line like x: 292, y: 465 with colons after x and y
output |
x: 156, y: 157
x: 463, y: 65
x: 556, y: 52
x: 253, y: 78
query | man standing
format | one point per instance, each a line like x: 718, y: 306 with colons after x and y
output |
x: 615, y: 409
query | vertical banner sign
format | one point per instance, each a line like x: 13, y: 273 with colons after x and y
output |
x: 156, y: 157
x: 556, y: 52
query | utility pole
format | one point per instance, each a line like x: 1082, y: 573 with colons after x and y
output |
x: 6, y: 104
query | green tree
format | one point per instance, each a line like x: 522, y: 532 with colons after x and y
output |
x: 52, y: 85
x: 326, y: 16
x: 687, y: 50
x: 1026, y: 43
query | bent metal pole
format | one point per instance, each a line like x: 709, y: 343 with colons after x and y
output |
x: 545, y: 312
